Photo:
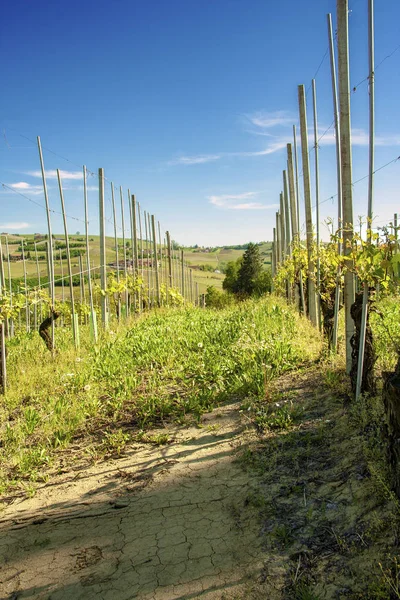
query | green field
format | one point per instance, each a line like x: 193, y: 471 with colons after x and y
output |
x: 193, y: 257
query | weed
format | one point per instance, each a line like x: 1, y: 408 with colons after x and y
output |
x: 282, y: 535
x: 115, y: 442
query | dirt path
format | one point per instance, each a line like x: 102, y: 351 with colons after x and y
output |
x: 161, y: 523
x: 304, y: 515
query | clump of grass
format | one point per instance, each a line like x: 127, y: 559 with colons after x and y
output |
x: 157, y: 368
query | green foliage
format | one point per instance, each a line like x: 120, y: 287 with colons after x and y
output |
x: 217, y: 299
x: 245, y: 276
x: 231, y: 274
x: 165, y: 365
x: 249, y: 271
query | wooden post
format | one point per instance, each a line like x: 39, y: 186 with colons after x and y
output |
x: 115, y: 244
x: 141, y: 248
x: 346, y: 158
x: 338, y: 175
x: 160, y: 252
x: 93, y: 316
x: 292, y: 194
x: 182, y: 275
x: 135, y: 242
x: 39, y: 282
x: 288, y: 235
x: 364, y: 315
x: 50, y: 238
x: 283, y: 226
x: 296, y: 163
x: 124, y: 247
x: 62, y: 284
x: 3, y: 364
x: 191, y: 285
x: 197, y: 294
x: 169, y: 279
x: 153, y: 226
x: 278, y: 240
x: 316, y: 156
x: 11, y: 327
x: 312, y: 305
x: 147, y: 256
x: 81, y: 283
x: 27, y: 312
x: 71, y: 288
x: 115, y: 230
x: 103, y: 267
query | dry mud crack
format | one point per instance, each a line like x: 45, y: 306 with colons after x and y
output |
x: 161, y: 523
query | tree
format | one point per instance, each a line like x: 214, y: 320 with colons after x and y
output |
x: 249, y: 271
x: 231, y: 275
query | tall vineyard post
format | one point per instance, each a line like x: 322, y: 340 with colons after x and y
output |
x: 283, y: 226
x: 74, y: 319
x: 27, y: 311
x: 294, y: 220
x: 103, y: 268
x: 135, y: 263
x: 93, y: 315
x: 170, y: 276
x: 312, y: 306
x: 278, y: 240
x: 141, y: 252
x: 62, y: 284
x: 115, y: 244
x: 153, y: 227
x: 151, y: 269
x: 182, y: 275
x: 11, y: 323
x: 147, y: 258
x: 5, y: 323
x: 39, y: 281
x: 364, y: 316
x: 160, y: 253
x: 338, y: 176
x: 316, y: 157
x: 50, y: 238
x: 124, y: 248
x: 288, y: 248
x: 296, y: 163
x: 346, y: 165
x: 3, y: 364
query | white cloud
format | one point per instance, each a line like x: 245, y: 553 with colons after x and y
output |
x: 52, y: 174
x: 23, y: 186
x: 265, y: 120
x: 229, y: 201
x: 195, y: 160
x: 8, y: 226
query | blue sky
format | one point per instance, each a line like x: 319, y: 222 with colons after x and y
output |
x: 189, y: 104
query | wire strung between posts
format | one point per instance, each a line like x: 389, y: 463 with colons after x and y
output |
x: 56, y: 212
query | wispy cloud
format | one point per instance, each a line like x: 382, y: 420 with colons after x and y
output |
x: 266, y: 120
x: 229, y: 201
x: 274, y: 146
x: 359, y: 137
x: 24, y: 187
x: 16, y: 226
x: 195, y: 160
x: 52, y: 174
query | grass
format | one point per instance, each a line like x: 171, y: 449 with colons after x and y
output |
x: 161, y: 367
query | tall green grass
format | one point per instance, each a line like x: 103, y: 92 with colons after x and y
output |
x: 162, y: 366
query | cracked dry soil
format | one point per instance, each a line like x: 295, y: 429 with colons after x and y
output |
x: 161, y: 523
